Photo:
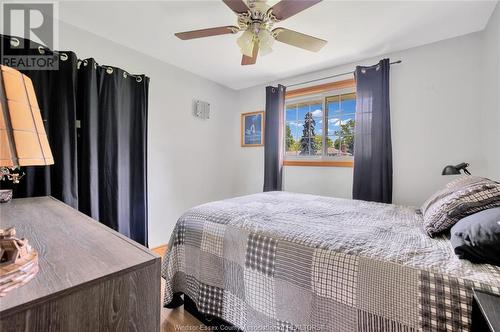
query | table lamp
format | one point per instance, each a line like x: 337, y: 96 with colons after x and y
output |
x: 23, y: 141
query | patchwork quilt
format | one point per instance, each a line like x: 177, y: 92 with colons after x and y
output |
x: 281, y: 261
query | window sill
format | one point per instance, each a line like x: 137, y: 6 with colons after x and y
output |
x: 319, y: 163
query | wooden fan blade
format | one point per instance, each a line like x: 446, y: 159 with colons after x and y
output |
x: 287, y: 8
x: 298, y: 39
x: 237, y: 6
x: 206, y: 32
x: 246, y: 60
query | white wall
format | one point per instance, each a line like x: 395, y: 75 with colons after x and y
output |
x: 187, y: 157
x: 491, y: 93
x: 436, y: 120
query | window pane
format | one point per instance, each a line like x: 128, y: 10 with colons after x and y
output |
x: 302, y: 111
x: 348, y: 103
x: 332, y: 104
x: 291, y: 114
x: 294, y: 128
x: 291, y: 147
x: 310, y: 146
x: 329, y: 142
x: 331, y: 146
x: 319, y: 128
x: 292, y: 138
x: 316, y: 110
x: 346, y: 117
x: 334, y: 125
x: 345, y: 145
x: 318, y: 140
x: 347, y: 125
x: 339, y: 145
x: 317, y: 113
x: 297, y: 130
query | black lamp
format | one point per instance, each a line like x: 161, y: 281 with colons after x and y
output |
x: 453, y: 170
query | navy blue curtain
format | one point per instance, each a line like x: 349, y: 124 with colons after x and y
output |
x: 372, y: 146
x: 273, y: 138
x: 112, y: 140
x: 100, y: 165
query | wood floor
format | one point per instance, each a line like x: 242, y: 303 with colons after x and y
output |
x: 178, y: 319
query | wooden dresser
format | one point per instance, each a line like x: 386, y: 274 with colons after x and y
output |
x: 91, y: 278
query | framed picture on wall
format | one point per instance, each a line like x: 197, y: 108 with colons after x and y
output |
x: 252, y: 129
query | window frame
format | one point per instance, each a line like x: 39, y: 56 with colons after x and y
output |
x: 322, y: 91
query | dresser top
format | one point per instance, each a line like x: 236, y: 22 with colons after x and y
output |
x: 73, y: 249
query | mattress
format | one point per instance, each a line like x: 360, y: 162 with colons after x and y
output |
x: 281, y: 261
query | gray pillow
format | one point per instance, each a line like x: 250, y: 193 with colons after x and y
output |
x: 477, y: 237
x: 459, y: 199
x: 458, y: 183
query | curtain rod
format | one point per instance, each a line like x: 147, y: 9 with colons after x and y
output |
x: 333, y: 76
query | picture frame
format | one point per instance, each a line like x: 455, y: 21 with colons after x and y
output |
x: 252, y: 129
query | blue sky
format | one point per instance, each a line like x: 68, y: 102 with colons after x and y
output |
x: 336, y: 115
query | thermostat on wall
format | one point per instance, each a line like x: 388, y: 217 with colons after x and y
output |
x: 201, y: 109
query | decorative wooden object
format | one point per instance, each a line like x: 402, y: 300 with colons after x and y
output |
x: 5, y: 195
x: 18, y: 261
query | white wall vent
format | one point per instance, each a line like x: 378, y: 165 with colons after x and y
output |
x: 201, y: 109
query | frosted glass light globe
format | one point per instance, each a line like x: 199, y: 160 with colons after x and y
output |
x: 245, y: 42
x: 266, y: 42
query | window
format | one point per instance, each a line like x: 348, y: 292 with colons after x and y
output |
x: 319, y: 126
x: 304, y: 129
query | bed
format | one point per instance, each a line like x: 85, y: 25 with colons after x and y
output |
x: 281, y: 261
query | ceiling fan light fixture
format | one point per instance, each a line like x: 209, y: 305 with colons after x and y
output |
x: 265, y: 50
x: 245, y: 42
x: 266, y: 41
x: 256, y: 18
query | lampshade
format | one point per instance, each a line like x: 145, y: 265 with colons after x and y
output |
x: 266, y: 41
x: 23, y: 141
x: 246, y: 42
x: 450, y: 170
x: 454, y: 170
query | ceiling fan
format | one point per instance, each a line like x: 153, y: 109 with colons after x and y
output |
x: 256, y: 19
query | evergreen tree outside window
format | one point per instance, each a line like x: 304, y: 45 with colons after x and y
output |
x: 308, y: 141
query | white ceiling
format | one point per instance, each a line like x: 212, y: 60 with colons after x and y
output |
x: 355, y: 30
